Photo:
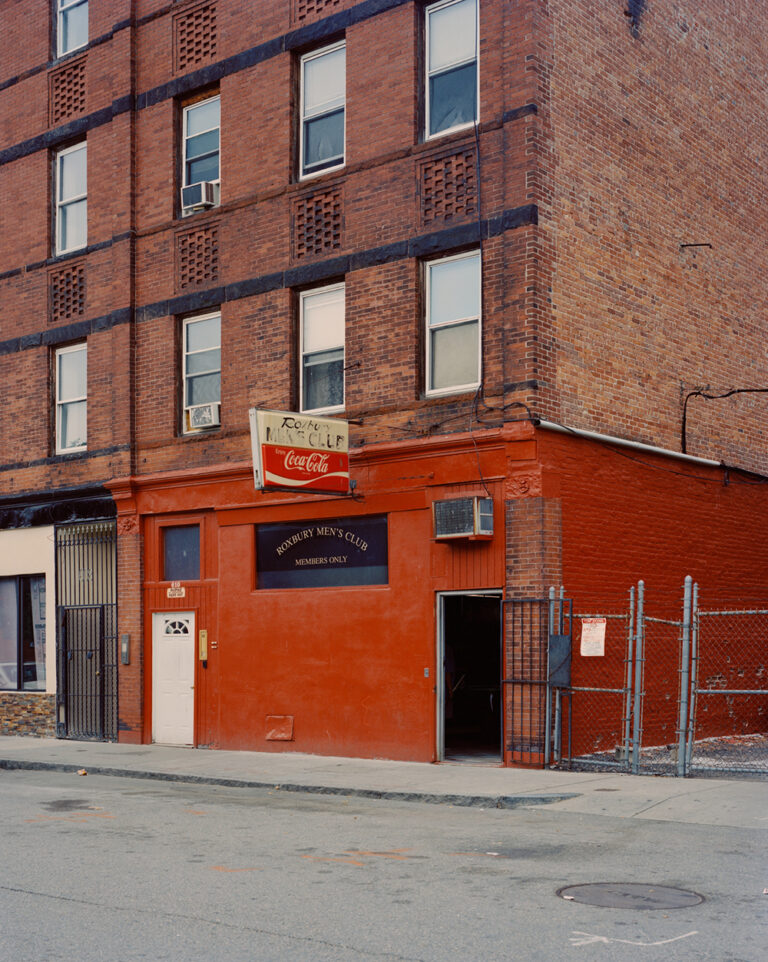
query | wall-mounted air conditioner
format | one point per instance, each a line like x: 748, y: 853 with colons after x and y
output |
x: 201, y: 416
x: 198, y: 196
x: 463, y: 518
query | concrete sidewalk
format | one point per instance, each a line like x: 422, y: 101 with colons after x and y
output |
x: 720, y: 801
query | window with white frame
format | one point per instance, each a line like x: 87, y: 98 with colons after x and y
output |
x: 322, y: 349
x: 201, y: 176
x: 202, y: 372
x: 71, y: 398
x: 71, y: 26
x: 452, y: 77
x: 323, y: 102
x: 22, y: 633
x: 453, y: 335
x: 71, y: 198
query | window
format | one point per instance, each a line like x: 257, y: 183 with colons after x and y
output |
x: 202, y: 372
x: 71, y: 394
x: 453, y: 323
x: 72, y: 27
x: 201, y: 176
x: 71, y: 198
x: 323, y: 99
x: 22, y: 633
x: 451, y: 95
x: 181, y: 553
x: 322, y: 349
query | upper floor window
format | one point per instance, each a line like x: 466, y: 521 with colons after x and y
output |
x: 451, y: 95
x: 71, y: 198
x: 72, y: 25
x: 200, y: 175
x: 323, y: 100
x: 71, y: 398
x: 453, y: 340
x: 322, y: 349
x: 22, y: 633
x: 202, y: 372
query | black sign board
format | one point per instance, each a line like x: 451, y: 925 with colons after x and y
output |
x: 327, y: 553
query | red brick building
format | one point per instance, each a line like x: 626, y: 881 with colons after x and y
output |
x: 518, y: 246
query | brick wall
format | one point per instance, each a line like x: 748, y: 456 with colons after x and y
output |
x: 656, y: 140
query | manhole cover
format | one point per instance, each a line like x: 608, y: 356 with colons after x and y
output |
x: 630, y: 895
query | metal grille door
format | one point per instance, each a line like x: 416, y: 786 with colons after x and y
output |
x: 86, y: 593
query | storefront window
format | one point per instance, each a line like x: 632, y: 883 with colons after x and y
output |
x: 22, y: 633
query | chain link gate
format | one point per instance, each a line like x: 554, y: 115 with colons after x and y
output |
x: 729, y: 691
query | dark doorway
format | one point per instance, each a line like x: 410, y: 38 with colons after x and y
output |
x: 471, y: 635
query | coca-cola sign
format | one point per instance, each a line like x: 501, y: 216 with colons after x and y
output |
x: 299, y: 452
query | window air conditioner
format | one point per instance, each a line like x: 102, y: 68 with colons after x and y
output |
x: 198, y: 196
x: 201, y: 416
x: 463, y: 518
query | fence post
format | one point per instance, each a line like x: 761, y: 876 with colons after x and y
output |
x: 628, y: 678
x: 685, y: 657
x: 637, y: 704
x: 548, y: 690
x: 558, y: 693
x: 694, y: 677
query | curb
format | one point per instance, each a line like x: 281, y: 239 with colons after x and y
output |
x: 431, y: 798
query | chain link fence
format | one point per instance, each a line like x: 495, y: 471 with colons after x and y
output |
x: 662, y: 695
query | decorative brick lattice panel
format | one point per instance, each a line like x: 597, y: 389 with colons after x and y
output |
x: 197, y: 258
x: 304, y: 10
x: 66, y: 91
x: 449, y: 187
x: 195, y: 36
x: 67, y: 294
x: 317, y: 223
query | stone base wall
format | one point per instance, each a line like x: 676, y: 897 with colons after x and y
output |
x: 27, y: 713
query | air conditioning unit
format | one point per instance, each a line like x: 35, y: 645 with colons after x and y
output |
x: 463, y: 518
x: 198, y: 196
x: 201, y: 416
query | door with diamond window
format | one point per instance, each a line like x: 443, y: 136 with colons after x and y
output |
x: 173, y: 678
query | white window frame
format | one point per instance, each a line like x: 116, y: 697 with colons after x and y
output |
x: 184, y: 373
x: 61, y: 203
x: 184, y: 182
x: 428, y: 327
x: 314, y: 55
x: 302, y: 354
x: 61, y: 402
x: 428, y: 73
x: 62, y: 8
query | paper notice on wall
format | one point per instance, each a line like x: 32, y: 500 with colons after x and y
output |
x: 593, y: 637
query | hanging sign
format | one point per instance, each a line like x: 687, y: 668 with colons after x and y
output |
x: 299, y: 451
x: 593, y: 637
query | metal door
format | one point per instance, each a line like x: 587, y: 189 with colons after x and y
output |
x: 87, y: 696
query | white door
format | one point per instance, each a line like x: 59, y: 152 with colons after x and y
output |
x: 173, y: 677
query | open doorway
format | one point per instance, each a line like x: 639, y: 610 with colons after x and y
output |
x: 469, y: 690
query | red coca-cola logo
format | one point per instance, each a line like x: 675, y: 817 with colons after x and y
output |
x: 313, y: 463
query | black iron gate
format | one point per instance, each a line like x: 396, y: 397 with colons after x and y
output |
x: 537, y: 660
x: 86, y: 610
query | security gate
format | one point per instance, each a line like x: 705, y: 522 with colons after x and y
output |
x: 86, y: 621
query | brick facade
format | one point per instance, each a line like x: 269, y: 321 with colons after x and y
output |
x: 612, y: 185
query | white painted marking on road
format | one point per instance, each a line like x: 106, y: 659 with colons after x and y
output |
x: 584, y: 938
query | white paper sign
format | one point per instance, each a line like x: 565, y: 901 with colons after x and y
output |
x: 593, y: 637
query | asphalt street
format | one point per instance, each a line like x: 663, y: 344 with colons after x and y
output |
x: 109, y: 867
